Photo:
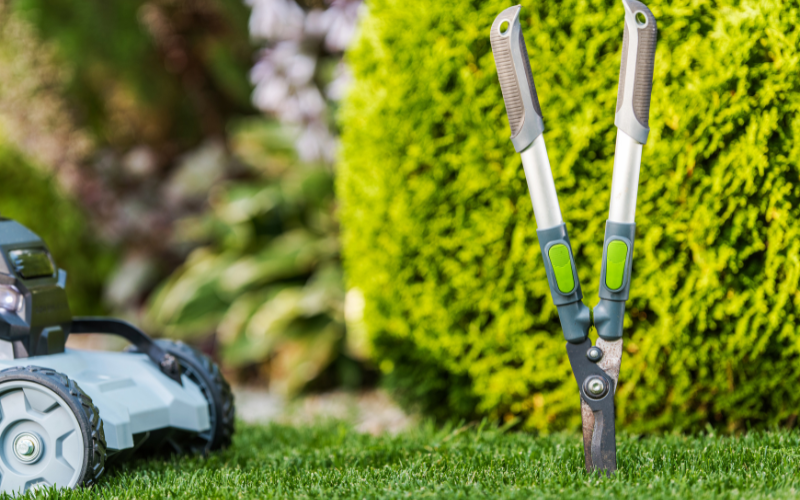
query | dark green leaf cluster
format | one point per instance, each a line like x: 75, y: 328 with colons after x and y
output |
x: 438, y: 227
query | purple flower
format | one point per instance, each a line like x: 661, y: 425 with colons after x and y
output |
x: 276, y: 19
x: 287, y: 85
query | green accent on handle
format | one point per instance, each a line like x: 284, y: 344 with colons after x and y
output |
x: 562, y: 267
x: 616, y: 255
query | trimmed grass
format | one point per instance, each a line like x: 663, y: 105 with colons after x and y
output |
x: 329, y: 460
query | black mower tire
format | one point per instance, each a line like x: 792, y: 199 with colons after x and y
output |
x: 201, y: 370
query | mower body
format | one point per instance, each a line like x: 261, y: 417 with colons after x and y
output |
x: 65, y: 413
x: 134, y: 398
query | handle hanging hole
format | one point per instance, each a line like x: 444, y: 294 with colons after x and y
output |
x: 504, y: 27
x: 641, y: 19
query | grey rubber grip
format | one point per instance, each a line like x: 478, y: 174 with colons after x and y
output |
x: 636, y: 71
x: 626, y: 40
x: 516, y: 79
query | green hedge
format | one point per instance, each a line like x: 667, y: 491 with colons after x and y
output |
x: 438, y: 227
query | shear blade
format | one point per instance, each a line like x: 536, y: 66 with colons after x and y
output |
x: 599, y: 435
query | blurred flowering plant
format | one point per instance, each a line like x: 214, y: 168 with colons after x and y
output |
x: 268, y: 275
x: 300, y: 73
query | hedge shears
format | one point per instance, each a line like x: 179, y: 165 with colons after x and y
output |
x: 596, y: 368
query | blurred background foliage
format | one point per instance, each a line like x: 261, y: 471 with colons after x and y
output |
x: 439, y: 236
x: 187, y: 147
x: 32, y: 197
x: 132, y: 108
x: 271, y: 276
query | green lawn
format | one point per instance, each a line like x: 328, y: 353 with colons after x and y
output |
x: 332, y: 461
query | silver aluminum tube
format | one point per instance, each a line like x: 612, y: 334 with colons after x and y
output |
x: 540, y: 184
x: 625, y: 180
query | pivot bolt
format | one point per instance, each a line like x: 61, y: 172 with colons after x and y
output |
x: 595, y: 387
x: 27, y: 447
x: 594, y: 354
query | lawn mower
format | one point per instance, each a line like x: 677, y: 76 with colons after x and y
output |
x: 595, y: 367
x: 66, y: 414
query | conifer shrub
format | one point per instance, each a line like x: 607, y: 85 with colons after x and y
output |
x: 439, y: 233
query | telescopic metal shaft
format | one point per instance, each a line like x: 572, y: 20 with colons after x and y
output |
x: 542, y: 189
x: 625, y: 180
x: 524, y: 115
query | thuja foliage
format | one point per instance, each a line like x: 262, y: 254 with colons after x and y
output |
x: 439, y: 234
